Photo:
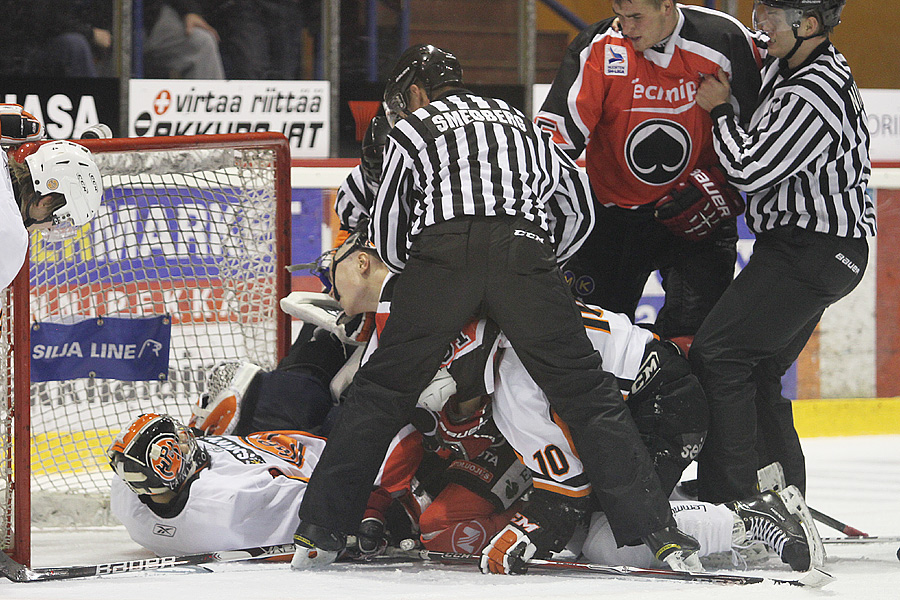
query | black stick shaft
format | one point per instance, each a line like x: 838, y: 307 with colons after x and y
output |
x: 835, y: 524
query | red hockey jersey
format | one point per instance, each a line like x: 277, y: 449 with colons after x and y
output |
x: 634, y: 114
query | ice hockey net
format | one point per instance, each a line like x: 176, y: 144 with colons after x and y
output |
x: 195, y: 227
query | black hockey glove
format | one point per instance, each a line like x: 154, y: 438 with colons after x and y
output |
x: 18, y: 126
x: 370, y: 538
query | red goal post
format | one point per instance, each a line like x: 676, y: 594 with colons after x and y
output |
x: 193, y: 227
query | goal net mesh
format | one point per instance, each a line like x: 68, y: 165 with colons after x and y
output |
x: 189, y: 234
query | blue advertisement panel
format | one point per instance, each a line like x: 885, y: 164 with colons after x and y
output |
x: 153, y: 233
x: 108, y: 347
x: 306, y: 224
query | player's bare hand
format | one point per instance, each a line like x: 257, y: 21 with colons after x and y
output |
x: 192, y: 20
x: 714, y: 90
x: 102, y: 38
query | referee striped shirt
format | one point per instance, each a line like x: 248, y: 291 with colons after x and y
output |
x: 464, y: 155
x: 804, y: 158
x: 354, y: 199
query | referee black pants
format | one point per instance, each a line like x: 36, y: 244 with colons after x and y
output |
x: 749, y: 340
x: 505, y: 269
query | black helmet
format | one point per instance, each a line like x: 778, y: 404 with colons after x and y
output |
x: 372, y: 156
x: 156, y: 454
x: 429, y: 64
x: 828, y: 11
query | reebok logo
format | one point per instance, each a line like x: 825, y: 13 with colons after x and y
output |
x: 849, y: 263
x: 164, y: 530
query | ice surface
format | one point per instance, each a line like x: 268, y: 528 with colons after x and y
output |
x: 856, y: 480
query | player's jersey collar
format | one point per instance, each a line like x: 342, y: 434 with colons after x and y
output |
x: 661, y: 54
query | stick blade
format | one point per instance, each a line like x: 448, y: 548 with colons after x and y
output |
x: 815, y: 578
x: 11, y: 569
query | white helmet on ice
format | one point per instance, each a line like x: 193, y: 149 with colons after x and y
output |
x: 69, y: 169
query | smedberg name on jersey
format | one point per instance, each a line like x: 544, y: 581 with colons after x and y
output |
x: 452, y: 119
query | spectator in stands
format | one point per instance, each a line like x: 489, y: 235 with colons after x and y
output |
x: 261, y: 39
x: 65, y: 38
x: 179, y: 43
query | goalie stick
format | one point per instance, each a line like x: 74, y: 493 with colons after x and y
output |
x: 814, y: 578
x: 22, y: 574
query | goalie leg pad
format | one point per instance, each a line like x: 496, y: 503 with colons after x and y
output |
x: 218, y: 411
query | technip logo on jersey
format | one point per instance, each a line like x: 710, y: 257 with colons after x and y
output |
x: 616, y: 61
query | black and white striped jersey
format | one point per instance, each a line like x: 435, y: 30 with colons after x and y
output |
x: 804, y: 157
x: 466, y: 155
x: 354, y: 199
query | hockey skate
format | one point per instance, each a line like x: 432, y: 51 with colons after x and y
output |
x: 316, y: 547
x: 675, y: 548
x: 217, y: 411
x: 767, y: 518
x: 771, y: 477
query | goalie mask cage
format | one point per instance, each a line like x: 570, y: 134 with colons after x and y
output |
x: 193, y: 227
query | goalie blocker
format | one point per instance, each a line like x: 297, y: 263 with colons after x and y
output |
x: 697, y: 206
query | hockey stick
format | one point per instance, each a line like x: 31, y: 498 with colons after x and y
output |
x: 814, y: 578
x: 856, y: 539
x: 22, y: 574
x: 771, y: 477
x: 837, y: 525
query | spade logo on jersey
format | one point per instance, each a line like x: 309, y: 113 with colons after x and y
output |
x: 165, y: 457
x: 657, y: 151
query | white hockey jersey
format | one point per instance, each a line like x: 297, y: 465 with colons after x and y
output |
x: 620, y: 343
x: 522, y: 411
x: 12, y: 230
x: 248, y: 496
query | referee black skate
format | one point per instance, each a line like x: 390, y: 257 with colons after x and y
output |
x: 804, y: 163
x: 475, y: 210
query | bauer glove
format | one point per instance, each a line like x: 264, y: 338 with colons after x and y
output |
x: 696, y: 207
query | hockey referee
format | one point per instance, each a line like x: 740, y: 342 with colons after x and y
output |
x: 804, y: 163
x: 476, y: 208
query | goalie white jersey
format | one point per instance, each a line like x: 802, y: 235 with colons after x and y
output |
x: 248, y: 496
x: 12, y: 230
